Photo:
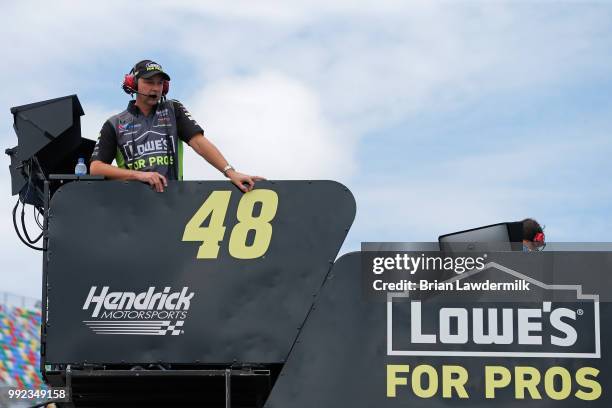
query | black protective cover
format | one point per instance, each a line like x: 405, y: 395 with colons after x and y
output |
x: 340, y: 357
x: 125, y: 236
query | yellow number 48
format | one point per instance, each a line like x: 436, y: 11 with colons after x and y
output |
x: 215, y: 208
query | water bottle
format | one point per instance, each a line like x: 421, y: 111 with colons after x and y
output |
x: 81, y: 168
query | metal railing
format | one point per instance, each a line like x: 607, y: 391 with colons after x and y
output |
x: 12, y: 300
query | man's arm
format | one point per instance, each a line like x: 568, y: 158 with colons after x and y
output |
x: 103, y: 155
x: 212, y: 155
x: 154, y: 179
x: 190, y: 132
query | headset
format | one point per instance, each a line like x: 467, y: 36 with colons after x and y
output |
x: 539, y: 238
x: 130, y: 84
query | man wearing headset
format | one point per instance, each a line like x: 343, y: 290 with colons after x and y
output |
x: 146, y: 138
x: 533, y: 235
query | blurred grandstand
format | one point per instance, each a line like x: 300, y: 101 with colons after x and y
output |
x: 19, y: 346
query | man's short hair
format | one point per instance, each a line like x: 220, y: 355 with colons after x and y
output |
x: 531, y: 228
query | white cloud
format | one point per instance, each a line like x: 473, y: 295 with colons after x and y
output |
x: 372, y: 66
x: 375, y: 66
x: 296, y: 12
x: 270, y: 125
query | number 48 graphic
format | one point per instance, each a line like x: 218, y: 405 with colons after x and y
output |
x: 215, y: 207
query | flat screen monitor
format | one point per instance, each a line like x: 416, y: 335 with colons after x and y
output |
x: 496, y: 237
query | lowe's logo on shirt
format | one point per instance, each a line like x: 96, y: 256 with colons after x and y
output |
x: 128, y: 126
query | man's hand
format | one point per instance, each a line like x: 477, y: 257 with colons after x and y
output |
x: 154, y: 179
x: 243, y: 181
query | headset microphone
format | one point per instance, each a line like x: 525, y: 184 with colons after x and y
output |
x: 132, y: 90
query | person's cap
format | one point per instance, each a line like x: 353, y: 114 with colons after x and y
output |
x: 148, y: 68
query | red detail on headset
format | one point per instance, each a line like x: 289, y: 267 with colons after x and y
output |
x: 539, y: 237
x: 129, y: 83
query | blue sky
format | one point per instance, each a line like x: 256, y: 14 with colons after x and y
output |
x: 438, y: 115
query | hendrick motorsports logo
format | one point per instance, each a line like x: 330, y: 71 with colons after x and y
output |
x: 564, y: 322
x: 150, y: 313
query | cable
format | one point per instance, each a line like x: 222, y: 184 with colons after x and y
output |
x: 17, y: 229
x: 37, y: 212
x: 28, y: 241
x: 25, y: 229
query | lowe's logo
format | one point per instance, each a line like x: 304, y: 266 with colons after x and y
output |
x: 151, y: 312
x: 128, y: 126
x: 567, y: 325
